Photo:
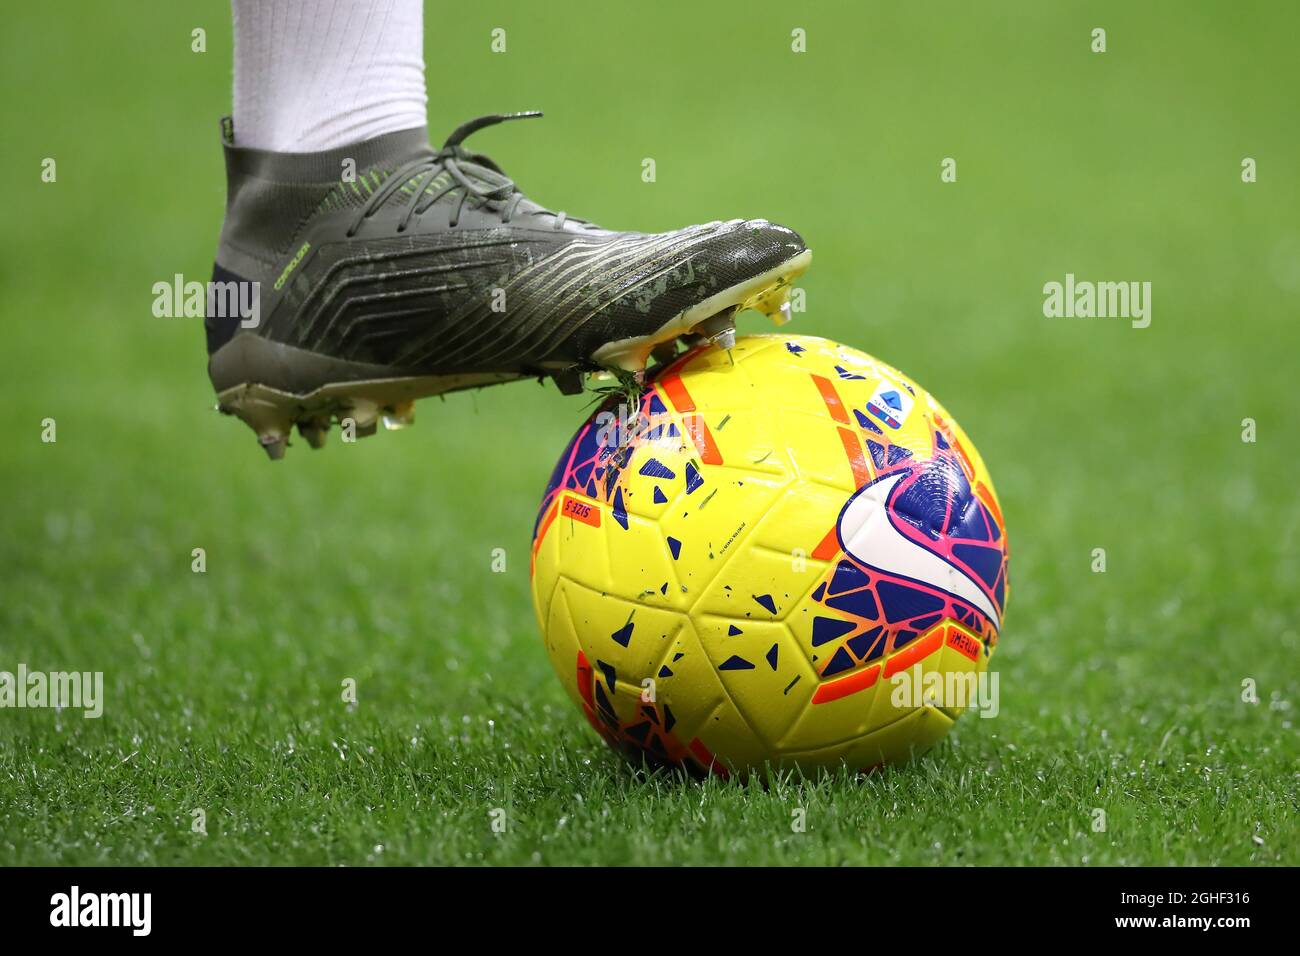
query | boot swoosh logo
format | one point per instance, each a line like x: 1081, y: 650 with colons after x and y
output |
x: 868, y: 536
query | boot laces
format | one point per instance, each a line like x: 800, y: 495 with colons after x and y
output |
x: 473, y: 176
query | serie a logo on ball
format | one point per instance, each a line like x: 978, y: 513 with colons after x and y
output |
x: 779, y: 540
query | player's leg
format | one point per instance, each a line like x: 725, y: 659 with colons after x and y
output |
x: 386, y: 270
x: 311, y: 75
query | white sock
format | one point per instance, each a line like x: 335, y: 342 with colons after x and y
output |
x: 310, y: 76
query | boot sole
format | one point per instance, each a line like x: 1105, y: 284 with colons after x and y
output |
x: 360, y: 398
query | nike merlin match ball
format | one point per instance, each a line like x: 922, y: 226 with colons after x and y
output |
x: 784, y: 555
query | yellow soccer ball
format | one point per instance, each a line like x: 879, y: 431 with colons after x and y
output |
x: 786, y: 555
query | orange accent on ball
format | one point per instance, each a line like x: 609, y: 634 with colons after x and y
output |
x: 857, y: 461
x: 829, y: 547
x: 843, y: 686
x: 917, y: 651
x: 581, y: 511
x: 963, y: 643
x: 832, y: 399
x: 541, y: 533
x: 675, y: 391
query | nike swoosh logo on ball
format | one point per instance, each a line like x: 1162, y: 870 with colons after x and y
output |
x: 867, y: 535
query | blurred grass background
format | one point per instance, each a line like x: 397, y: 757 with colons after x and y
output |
x: 1120, y: 690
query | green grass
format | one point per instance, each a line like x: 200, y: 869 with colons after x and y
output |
x: 1120, y: 690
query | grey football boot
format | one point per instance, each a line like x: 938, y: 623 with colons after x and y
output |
x: 389, y: 271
